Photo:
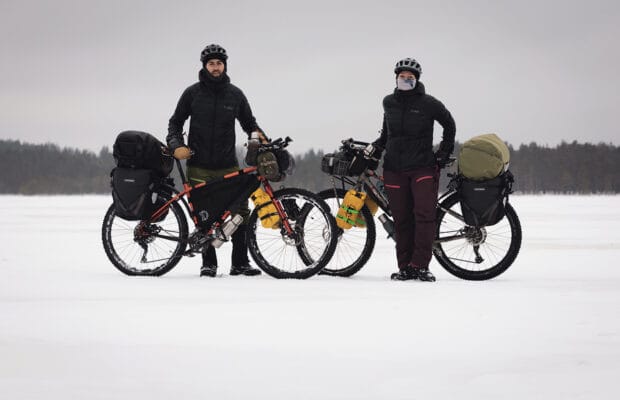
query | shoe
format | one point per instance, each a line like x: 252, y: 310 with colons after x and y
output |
x: 208, y: 270
x: 403, y: 274
x: 424, y: 275
x: 411, y: 272
x: 244, y: 269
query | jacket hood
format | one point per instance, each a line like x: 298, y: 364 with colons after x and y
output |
x: 209, y: 80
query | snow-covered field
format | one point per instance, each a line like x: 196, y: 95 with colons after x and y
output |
x: 73, y: 327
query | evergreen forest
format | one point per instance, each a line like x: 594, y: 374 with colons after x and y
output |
x: 568, y: 168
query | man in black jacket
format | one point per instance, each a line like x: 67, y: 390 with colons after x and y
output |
x: 213, y: 104
x: 411, y: 169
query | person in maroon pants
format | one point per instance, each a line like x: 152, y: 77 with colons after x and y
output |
x: 411, y: 169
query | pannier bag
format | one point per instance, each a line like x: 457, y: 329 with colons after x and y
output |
x: 132, y: 192
x: 210, y: 201
x: 483, y: 203
x: 348, y: 214
x: 336, y: 163
x: 267, y: 212
x: 141, y: 150
x: 483, y: 157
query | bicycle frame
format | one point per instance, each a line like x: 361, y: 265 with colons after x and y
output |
x: 368, y: 180
x: 186, y: 194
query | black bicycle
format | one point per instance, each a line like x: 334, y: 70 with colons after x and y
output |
x: 298, y: 246
x: 466, y: 251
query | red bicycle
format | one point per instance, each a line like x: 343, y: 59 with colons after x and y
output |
x: 298, y: 246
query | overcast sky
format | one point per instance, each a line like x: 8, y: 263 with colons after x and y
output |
x: 76, y: 73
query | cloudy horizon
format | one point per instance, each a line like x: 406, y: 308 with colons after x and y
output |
x: 77, y: 73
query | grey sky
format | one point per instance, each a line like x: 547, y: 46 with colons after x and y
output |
x: 78, y: 72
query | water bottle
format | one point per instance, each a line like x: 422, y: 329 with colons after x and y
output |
x: 226, y: 230
x: 253, y: 144
x: 388, y: 224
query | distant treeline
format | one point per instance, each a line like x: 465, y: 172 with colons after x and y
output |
x: 568, y: 168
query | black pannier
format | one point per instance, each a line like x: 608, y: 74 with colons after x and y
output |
x: 141, y: 150
x: 132, y: 192
x: 210, y: 201
x: 483, y: 203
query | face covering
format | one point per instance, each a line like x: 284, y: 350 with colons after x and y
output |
x: 405, y: 84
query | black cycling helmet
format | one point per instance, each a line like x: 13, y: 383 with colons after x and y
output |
x: 408, y: 64
x: 213, y: 51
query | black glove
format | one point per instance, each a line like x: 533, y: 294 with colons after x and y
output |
x: 442, y: 158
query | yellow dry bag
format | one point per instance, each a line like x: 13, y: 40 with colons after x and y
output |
x: 349, y: 212
x: 267, y: 212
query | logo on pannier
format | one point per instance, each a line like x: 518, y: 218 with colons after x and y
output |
x: 129, y: 180
x: 204, y: 215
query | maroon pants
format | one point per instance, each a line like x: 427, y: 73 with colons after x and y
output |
x: 413, y: 201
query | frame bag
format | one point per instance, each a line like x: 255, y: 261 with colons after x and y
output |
x: 211, y: 200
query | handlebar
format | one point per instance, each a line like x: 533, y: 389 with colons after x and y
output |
x: 276, y: 144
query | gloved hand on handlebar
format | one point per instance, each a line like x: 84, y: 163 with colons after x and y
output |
x: 182, y: 153
x: 373, y: 151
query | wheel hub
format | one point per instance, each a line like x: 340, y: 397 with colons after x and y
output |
x: 476, y: 236
x: 144, y: 233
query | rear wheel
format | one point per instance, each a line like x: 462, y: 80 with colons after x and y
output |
x: 355, y: 245
x: 307, y: 249
x: 144, y: 247
x: 475, y: 253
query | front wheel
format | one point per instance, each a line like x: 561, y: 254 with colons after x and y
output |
x: 355, y: 245
x: 472, y: 253
x: 303, y: 252
x: 149, y: 248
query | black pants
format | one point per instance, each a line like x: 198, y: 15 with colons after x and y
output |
x: 413, y: 201
x: 240, y: 247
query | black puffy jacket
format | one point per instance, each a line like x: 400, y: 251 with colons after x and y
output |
x: 212, y: 106
x: 407, y: 133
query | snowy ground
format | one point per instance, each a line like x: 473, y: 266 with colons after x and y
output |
x: 73, y: 327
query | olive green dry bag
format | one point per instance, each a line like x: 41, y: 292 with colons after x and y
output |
x: 483, y: 157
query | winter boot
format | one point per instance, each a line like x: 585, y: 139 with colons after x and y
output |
x: 208, y: 270
x: 403, y: 274
x: 411, y: 272
x: 244, y: 269
x: 424, y: 275
x: 209, y: 262
x: 239, y: 260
